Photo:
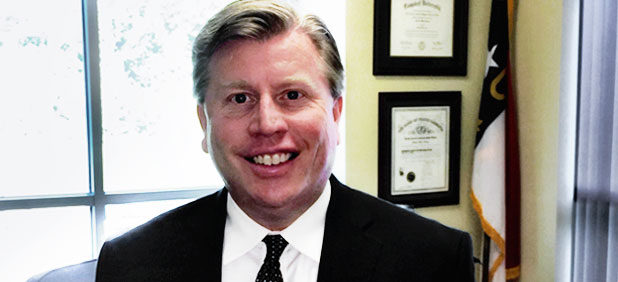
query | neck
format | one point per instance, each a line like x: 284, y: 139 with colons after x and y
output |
x: 277, y: 218
x: 274, y: 221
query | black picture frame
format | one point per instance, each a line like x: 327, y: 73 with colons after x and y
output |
x: 385, y: 64
x: 418, y: 101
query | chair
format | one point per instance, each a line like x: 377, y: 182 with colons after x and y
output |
x: 82, y: 272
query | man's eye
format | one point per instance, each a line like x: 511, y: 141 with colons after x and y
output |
x: 292, y: 95
x: 240, y: 98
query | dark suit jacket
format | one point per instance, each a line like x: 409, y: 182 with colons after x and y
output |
x: 365, y: 239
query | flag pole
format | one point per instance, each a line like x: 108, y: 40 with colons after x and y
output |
x: 485, y: 263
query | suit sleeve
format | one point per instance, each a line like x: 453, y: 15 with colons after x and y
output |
x: 465, y: 260
x: 107, y: 264
x: 102, y: 264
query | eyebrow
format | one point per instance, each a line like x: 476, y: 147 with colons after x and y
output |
x: 288, y: 82
x: 294, y: 81
x: 237, y: 84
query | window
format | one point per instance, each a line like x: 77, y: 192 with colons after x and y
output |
x: 98, y: 124
x: 595, y: 237
x: 588, y: 202
x: 566, y: 141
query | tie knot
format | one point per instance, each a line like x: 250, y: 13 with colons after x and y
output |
x: 275, y: 244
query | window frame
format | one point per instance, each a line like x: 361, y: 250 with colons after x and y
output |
x: 96, y: 198
x: 567, y: 139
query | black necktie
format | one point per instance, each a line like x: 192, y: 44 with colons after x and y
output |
x: 270, y: 271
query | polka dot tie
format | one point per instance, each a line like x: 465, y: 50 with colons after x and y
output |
x: 270, y: 271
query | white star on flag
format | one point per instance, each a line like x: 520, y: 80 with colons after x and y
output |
x: 490, y: 60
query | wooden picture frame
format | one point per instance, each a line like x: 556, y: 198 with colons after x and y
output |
x: 420, y: 37
x: 419, y: 147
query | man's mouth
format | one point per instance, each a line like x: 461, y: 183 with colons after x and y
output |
x: 272, y: 159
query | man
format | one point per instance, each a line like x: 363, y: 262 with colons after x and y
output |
x: 268, y: 85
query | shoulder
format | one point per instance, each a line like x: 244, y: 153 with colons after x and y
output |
x: 411, y: 245
x: 166, y: 244
x: 188, y: 217
x: 394, y: 222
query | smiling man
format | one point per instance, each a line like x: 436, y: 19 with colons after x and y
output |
x: 271, y: 124
x: 268, y: 84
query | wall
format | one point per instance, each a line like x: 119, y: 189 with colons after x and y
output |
x: 536, y: 61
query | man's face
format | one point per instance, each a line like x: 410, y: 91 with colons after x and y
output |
x: 271, y: 123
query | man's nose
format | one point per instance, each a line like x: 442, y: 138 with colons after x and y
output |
x: 268, y: 119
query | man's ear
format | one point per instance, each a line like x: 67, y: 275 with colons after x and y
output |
x: 201, y: 114
x: 337, y: 110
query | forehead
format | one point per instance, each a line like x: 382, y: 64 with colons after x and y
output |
x: 290, y: 49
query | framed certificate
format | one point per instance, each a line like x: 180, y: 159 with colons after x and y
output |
x: 420, y: 37
x: 418, y: 147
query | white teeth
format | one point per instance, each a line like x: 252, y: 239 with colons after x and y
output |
x: 273, y: 159
x: 267, y: 160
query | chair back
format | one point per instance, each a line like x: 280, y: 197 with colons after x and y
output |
x: 82, y: 272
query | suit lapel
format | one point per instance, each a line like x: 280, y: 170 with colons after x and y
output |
x: 209, y: 226
x: 349, y: 253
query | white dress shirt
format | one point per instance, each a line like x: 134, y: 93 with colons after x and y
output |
x: 244, y: 251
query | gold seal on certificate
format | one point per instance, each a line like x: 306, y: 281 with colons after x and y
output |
x: 421, y: 28
x: 420, y: 149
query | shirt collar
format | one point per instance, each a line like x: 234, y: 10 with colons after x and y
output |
x: 305, y: 234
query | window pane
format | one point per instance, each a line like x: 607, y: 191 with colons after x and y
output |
x: 37, y: 240
x: 123, y: 217
x: 42, y: 101
x: 151, y: 134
